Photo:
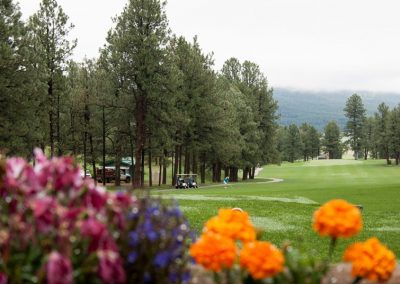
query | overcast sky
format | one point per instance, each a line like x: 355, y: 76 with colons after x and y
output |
x: 301, y: 44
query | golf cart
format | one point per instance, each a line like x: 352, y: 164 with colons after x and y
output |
x: 186, y: 181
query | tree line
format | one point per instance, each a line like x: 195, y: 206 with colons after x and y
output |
x: 150, y: 95
x: 376, y: 137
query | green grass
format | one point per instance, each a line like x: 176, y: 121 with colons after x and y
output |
x: 284, y: 210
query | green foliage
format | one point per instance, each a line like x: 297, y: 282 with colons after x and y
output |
x: 332, y: 141
x: 355, y: 113
x: 19, y: 118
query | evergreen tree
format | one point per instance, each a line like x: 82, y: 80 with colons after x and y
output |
x: 355, y: 112
x: 293, y: 143
x: 368, y: 136
x: 50, y: 31
x: 395, y: 132
x: 332, y: 140
x: 19, y: 117
x: 382, y: 120
x: 137, y: 47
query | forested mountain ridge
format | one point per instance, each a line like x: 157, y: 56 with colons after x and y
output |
x: 320, y: 107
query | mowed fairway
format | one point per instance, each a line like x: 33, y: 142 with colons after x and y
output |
x: 284, y: 210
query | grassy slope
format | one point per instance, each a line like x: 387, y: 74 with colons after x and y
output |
x: 284, y: 210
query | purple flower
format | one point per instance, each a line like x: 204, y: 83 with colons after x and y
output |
x: 58, y: 269
x: 162, y: 259
x: 133, y: 238
x: 132, y: 257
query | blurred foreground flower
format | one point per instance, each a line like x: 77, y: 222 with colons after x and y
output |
x: 214, y: 251
x: 261, y: 259
x: 371, y: 260
x: 232, y: 224
x: 57, y: 227
x: 337, y: 218
x: 157, y: 242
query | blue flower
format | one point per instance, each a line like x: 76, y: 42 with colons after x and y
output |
x: 133, y: 238
x: 147, y: 277
x: 149, y: 231
x: 132, y: 256
x: 162, y: 259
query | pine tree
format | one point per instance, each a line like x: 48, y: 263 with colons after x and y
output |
x: 137, y: 48
x: 355, y: 112
x: 332, y: 140
x: 19, y: 120
x: 50, y: 31
x: 382, y: 120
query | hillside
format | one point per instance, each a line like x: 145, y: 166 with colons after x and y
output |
x: 318, y: 108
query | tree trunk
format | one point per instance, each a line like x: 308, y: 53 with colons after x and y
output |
x: 219, y: 170
x: 132, y: 172
x: 72, y: 117
x: 365, y: 154
x: 397, y: 158
x: 84, y: 152
x: 160, y: 163
x: 103, y: 178
x: 142, y: 170
x: 140, y: 135
x: 175, y: 171
x: 58, y: 128
x: 150, y: 168
x: 233, y: 174
x: 203, y: 170
x: 387, y: 157
x: 226, y: 171
x: 164, y: 167
x: 93, y: 158
x: 194, y: 163
x: 51, y: 115
x: 245, y: 173
x: 253, y: 173
x: 180, y: 159
x: 214, y: 172
x: 118, y: 164
x: 187, y: 161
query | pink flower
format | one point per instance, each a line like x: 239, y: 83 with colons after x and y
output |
x: 110, y: 267
x: 59, y: 269
x: 3, y: 278
x: 93, y: 228
x: 70, y: 216
x: 20, y: 176
x: 96, y: 197
x: 60, y: 172
x: 44, y: 210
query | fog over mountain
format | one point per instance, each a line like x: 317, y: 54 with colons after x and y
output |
x: 320, y: 107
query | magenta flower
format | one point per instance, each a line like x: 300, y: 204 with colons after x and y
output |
x: 96, y: 197
x: 3, y: 278
x: 20, y: 176
x: 58, y: 269
x: 44, y: 210
x: 93, y: 228
x: 110, y: 267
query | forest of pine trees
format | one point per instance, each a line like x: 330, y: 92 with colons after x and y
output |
x: 155, y: 97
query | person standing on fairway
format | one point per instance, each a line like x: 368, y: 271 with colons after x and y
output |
x: 226, y: 181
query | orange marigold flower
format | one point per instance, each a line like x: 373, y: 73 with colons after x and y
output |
x: 371, y: 260
x: 233, y: 224
x: 337, y: 218
x: 261, y: 259
x: 214, y: 251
